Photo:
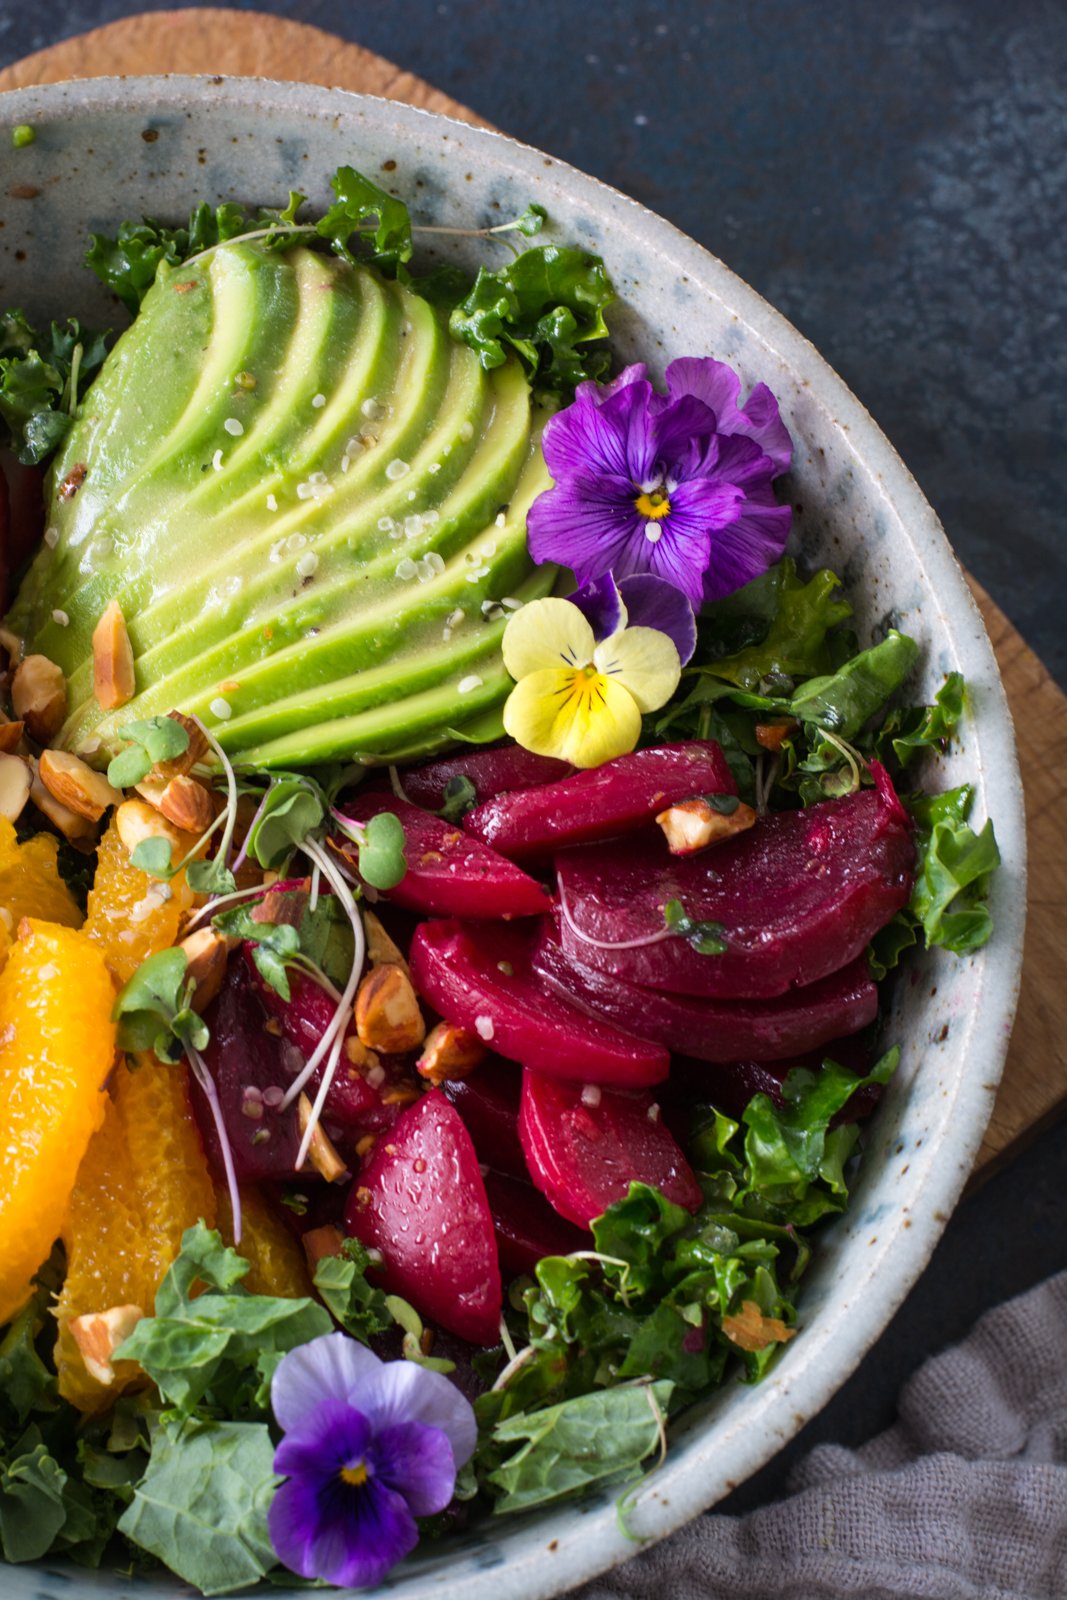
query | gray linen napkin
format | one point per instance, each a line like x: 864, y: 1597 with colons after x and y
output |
x: 964, y: 1498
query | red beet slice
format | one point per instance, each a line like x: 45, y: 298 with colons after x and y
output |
x: 421, y: 1201
x: 492, y: 772
x: 799, y: 896
x: 479, y: 977
x: 488, y: 1102
x: 526, y: 1226
x: 449, y: 873
x: 246, y: 1062
x: 716, y: 1030
x: 585, y: 1146
x: 603, y: 802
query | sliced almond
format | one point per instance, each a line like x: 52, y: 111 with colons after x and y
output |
x: 693, y: 825
x: 39, y: 697
x: 387, y: 1013
x: 449, y: 1053
x: 136, y: 821
x: 98, y: 1335
x: 321, y: 1152
x: 16, y: 781
x: 207, y: 952
x: 76, y: 785
x: 381, y: 950
x: 114, y: 682
x: 77, y: 829
x: 187, y: 804
x: 11, y: 736
x: 321, y: 1242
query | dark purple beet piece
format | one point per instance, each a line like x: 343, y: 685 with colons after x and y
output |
x: 479, y: 977
x: 798, y: 896
x: 602, y: 803
x: 716, y: 1030
x: 527, y: 1227
x: 449, y: 873
x: 492, y: 772
x: 585, y: 1146
x: 421, y: 1201
x: 729, y: 1086
x: 246, y: 1061
x: 488, y: 1102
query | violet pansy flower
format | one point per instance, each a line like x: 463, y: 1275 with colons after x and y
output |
x: 677, y: 485
x: 369, y: 1446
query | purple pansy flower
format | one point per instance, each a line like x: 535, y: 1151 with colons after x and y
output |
x: 677, y: 485
x: 369, y: 1446
x: 638, y: 602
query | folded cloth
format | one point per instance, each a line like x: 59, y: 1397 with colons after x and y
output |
x: 964, y: 1498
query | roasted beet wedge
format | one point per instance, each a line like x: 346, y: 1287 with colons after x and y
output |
x: 585, y: 1146
x: 479, y: 977
x: 602, y: 803
x: 729, y: 1086
x: 488, y: 1102
x: 527, y: 1227
x: 716, y: 1030
x: 798, y: 896
x: 449, y: 873
x: 247, y: 1063
x: 421, y: 1201
x: 492, y: 772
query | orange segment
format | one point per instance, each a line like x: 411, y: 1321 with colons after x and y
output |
x: 131, y: 915
x: 30, y: 884
x: 57, y: 1046
x: 143, y: 1181
x: 278, y: 1264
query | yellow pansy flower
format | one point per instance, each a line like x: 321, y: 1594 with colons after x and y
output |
x: 578, y: 699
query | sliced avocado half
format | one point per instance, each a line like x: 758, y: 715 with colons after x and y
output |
x: 309, y: 502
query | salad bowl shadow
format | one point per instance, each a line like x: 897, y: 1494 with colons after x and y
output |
x: 109, y: 149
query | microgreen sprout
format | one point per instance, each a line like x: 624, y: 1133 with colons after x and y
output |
x: 148, y: 741
x: 380, y: 841
x: 706, y: 938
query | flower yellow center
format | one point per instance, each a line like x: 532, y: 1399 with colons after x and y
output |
x: 653, y: 505
x: 354, y: 1475
x: 581, y: 690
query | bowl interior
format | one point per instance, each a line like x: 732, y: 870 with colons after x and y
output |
x: 111, y: 149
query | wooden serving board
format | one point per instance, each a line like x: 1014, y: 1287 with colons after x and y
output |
x: 254, y: 44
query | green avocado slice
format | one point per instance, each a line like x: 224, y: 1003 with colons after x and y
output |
x: 309, y: 502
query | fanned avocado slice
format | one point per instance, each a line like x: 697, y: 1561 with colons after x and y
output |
x: 310, y: 504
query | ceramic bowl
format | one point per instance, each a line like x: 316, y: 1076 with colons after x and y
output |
x: 112, y: 149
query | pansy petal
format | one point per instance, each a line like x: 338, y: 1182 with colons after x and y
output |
x: 405, y: 1392
x: 583, y: 524
x: 677, y: 425
x: 544, y: 635
x: 585, y: 724
x: 679, y: 553
x: 597, y: 393
x: 644, y: 662
x: 652, y: 602
x: 331, y: 1436
x: 719, y: 387
x: 595, y: 437
x: 733, y: 459
x: 324, y: 1369
x: 600, y: 602
x: 351, y: 1538
x: 418, y: 1463
x: 746, y: 548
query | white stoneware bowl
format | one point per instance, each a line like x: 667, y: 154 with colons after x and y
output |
x: 112, y: 149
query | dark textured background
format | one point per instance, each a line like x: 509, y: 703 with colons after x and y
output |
x: 894, y: 178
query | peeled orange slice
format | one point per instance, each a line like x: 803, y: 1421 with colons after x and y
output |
x: 30, y: 884
x: 131, y: 916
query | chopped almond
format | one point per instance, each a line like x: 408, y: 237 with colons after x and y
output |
x: 136, y: 821
x: 321, y: 1152
x: 387, y: 1013
x: 750, y: 1330
x: 76, y: 785
x: 181, y: 766
x: 206, y: 951
x: 98, y: 1335
x: 693, y: 825
x: 773, y: 735
x: 16, y: 779
x: 77, y: 829
x: 114, y: 682
x: 321, y: 1242
x: 449, y: 1053
x: 187, y: 804
x: 381, y: 950
x: 11, y: 736
x: 358, y: 1056
x: 39, y: 697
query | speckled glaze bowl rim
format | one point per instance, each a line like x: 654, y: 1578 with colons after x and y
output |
x: 561, y: 1548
